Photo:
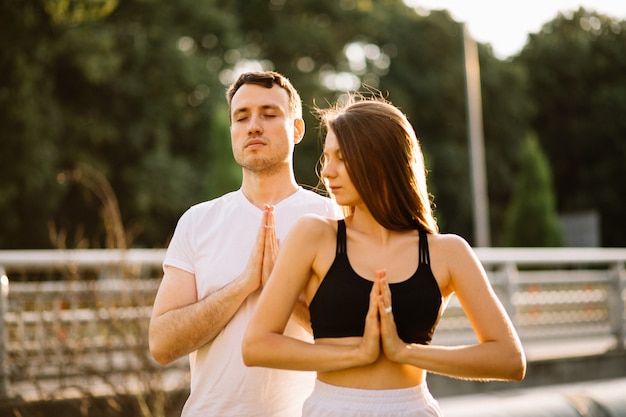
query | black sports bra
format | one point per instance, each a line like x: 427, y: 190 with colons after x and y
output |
x: 340, y: 304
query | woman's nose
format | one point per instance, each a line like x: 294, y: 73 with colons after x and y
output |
x: 327, y: 170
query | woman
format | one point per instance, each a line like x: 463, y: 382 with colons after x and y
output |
x: 377, y: 282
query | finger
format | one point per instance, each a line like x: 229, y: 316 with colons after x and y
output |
x: 271, y: 239
x: 259, y: 244
x: 384, y: 309
x: 253, y: 272
x: 387, y: 322
x: 371, y: 334
x: 266, y: 213
x: 384, y: 290
x: 384, y: 303
x: 372, y: 319
x: 270, y: 249
x: 374, y: 294
x: 391, y: 342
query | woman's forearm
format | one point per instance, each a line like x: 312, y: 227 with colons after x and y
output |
x: 274, y: 350
x: 485, y: 361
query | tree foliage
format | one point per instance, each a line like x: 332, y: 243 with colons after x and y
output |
x: 576, y: 68
x: 126, y: 93
x: 135, y: 90
x: 532, y: 219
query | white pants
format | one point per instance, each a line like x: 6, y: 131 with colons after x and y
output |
x: 333, y: 401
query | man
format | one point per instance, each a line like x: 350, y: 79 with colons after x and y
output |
x: 222, y: 252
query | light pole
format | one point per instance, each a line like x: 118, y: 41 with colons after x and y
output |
x: 475, y: 135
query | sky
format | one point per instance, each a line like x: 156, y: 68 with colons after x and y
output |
x: 506, y: 24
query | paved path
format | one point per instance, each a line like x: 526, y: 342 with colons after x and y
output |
x: 605, y: 398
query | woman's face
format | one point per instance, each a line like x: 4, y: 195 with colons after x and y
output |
x: 335, y: 175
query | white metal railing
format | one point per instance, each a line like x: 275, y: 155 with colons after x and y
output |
x: 67, y: 312
x: 575, y: 290
x: 552, y: 294
x: 76, y: 320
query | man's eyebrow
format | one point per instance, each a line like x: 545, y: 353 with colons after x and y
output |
x: 271, y: 107
x: 240, y: 110
x: 263, y: 107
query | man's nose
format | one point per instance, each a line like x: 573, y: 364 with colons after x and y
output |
x: 254, y: 126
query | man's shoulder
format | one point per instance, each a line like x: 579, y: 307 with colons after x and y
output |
x: 224, y: 200
x: 306, y: 193
x: 311, y: 201
x: 210, y: 209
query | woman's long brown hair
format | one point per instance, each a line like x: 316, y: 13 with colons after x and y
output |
x: 384, y: 160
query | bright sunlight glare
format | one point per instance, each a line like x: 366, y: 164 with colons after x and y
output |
x: 506, y: 25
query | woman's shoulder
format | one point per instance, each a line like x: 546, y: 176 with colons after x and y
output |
x: 451, y: 256
x: 314, y: 225
x: 309, y: 235
x: 316, y: 220
x: 448, y: 243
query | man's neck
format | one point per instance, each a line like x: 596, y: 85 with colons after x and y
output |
x: 261, y: 190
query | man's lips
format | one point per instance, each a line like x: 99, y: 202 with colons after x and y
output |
x: 255, y: 143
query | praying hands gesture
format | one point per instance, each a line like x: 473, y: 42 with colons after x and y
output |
x: 262, y: 260
x: 264, y: 253
x: 380, y: 327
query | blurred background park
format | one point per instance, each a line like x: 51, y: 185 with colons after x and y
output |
x: 113, y: 121
x: 125, y: 100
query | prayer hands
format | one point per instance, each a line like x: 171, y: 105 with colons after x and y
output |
x: 380, y: 327
x: 264, y: 252
x: 270, y: 243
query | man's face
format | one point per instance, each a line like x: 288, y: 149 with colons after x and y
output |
x: 262, y: 132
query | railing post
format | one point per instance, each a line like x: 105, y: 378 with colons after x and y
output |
x: 4, y: 340
x: 617, y: 305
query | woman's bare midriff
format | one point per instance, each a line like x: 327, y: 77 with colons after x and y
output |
x: 382, y: 374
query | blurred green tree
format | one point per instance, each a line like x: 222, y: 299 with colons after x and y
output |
x: 416, y: 61
x: 135, y: 89
x: 576, y: 68
x: 532, y: 219
x: 131, y: 91
x: 29, y: 123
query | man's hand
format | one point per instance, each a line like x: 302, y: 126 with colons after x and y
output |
x: 270, y: 248
x: 263, y: 254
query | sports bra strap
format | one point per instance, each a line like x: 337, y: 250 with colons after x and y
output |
x: 424, y: 252
x: 341, y: 236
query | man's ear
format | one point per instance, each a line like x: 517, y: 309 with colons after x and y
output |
x: 299, y: 128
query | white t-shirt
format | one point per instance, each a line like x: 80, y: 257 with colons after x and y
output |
x: 213, y: 240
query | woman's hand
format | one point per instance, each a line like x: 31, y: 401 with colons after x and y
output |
x: 370, y: 344
x: 391, y: 343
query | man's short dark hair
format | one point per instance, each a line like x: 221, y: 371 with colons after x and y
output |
x: 268, y: 79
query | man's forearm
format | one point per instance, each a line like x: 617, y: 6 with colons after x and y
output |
x: 181, y: 331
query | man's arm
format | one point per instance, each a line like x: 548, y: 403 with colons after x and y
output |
x: 181, y: 324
